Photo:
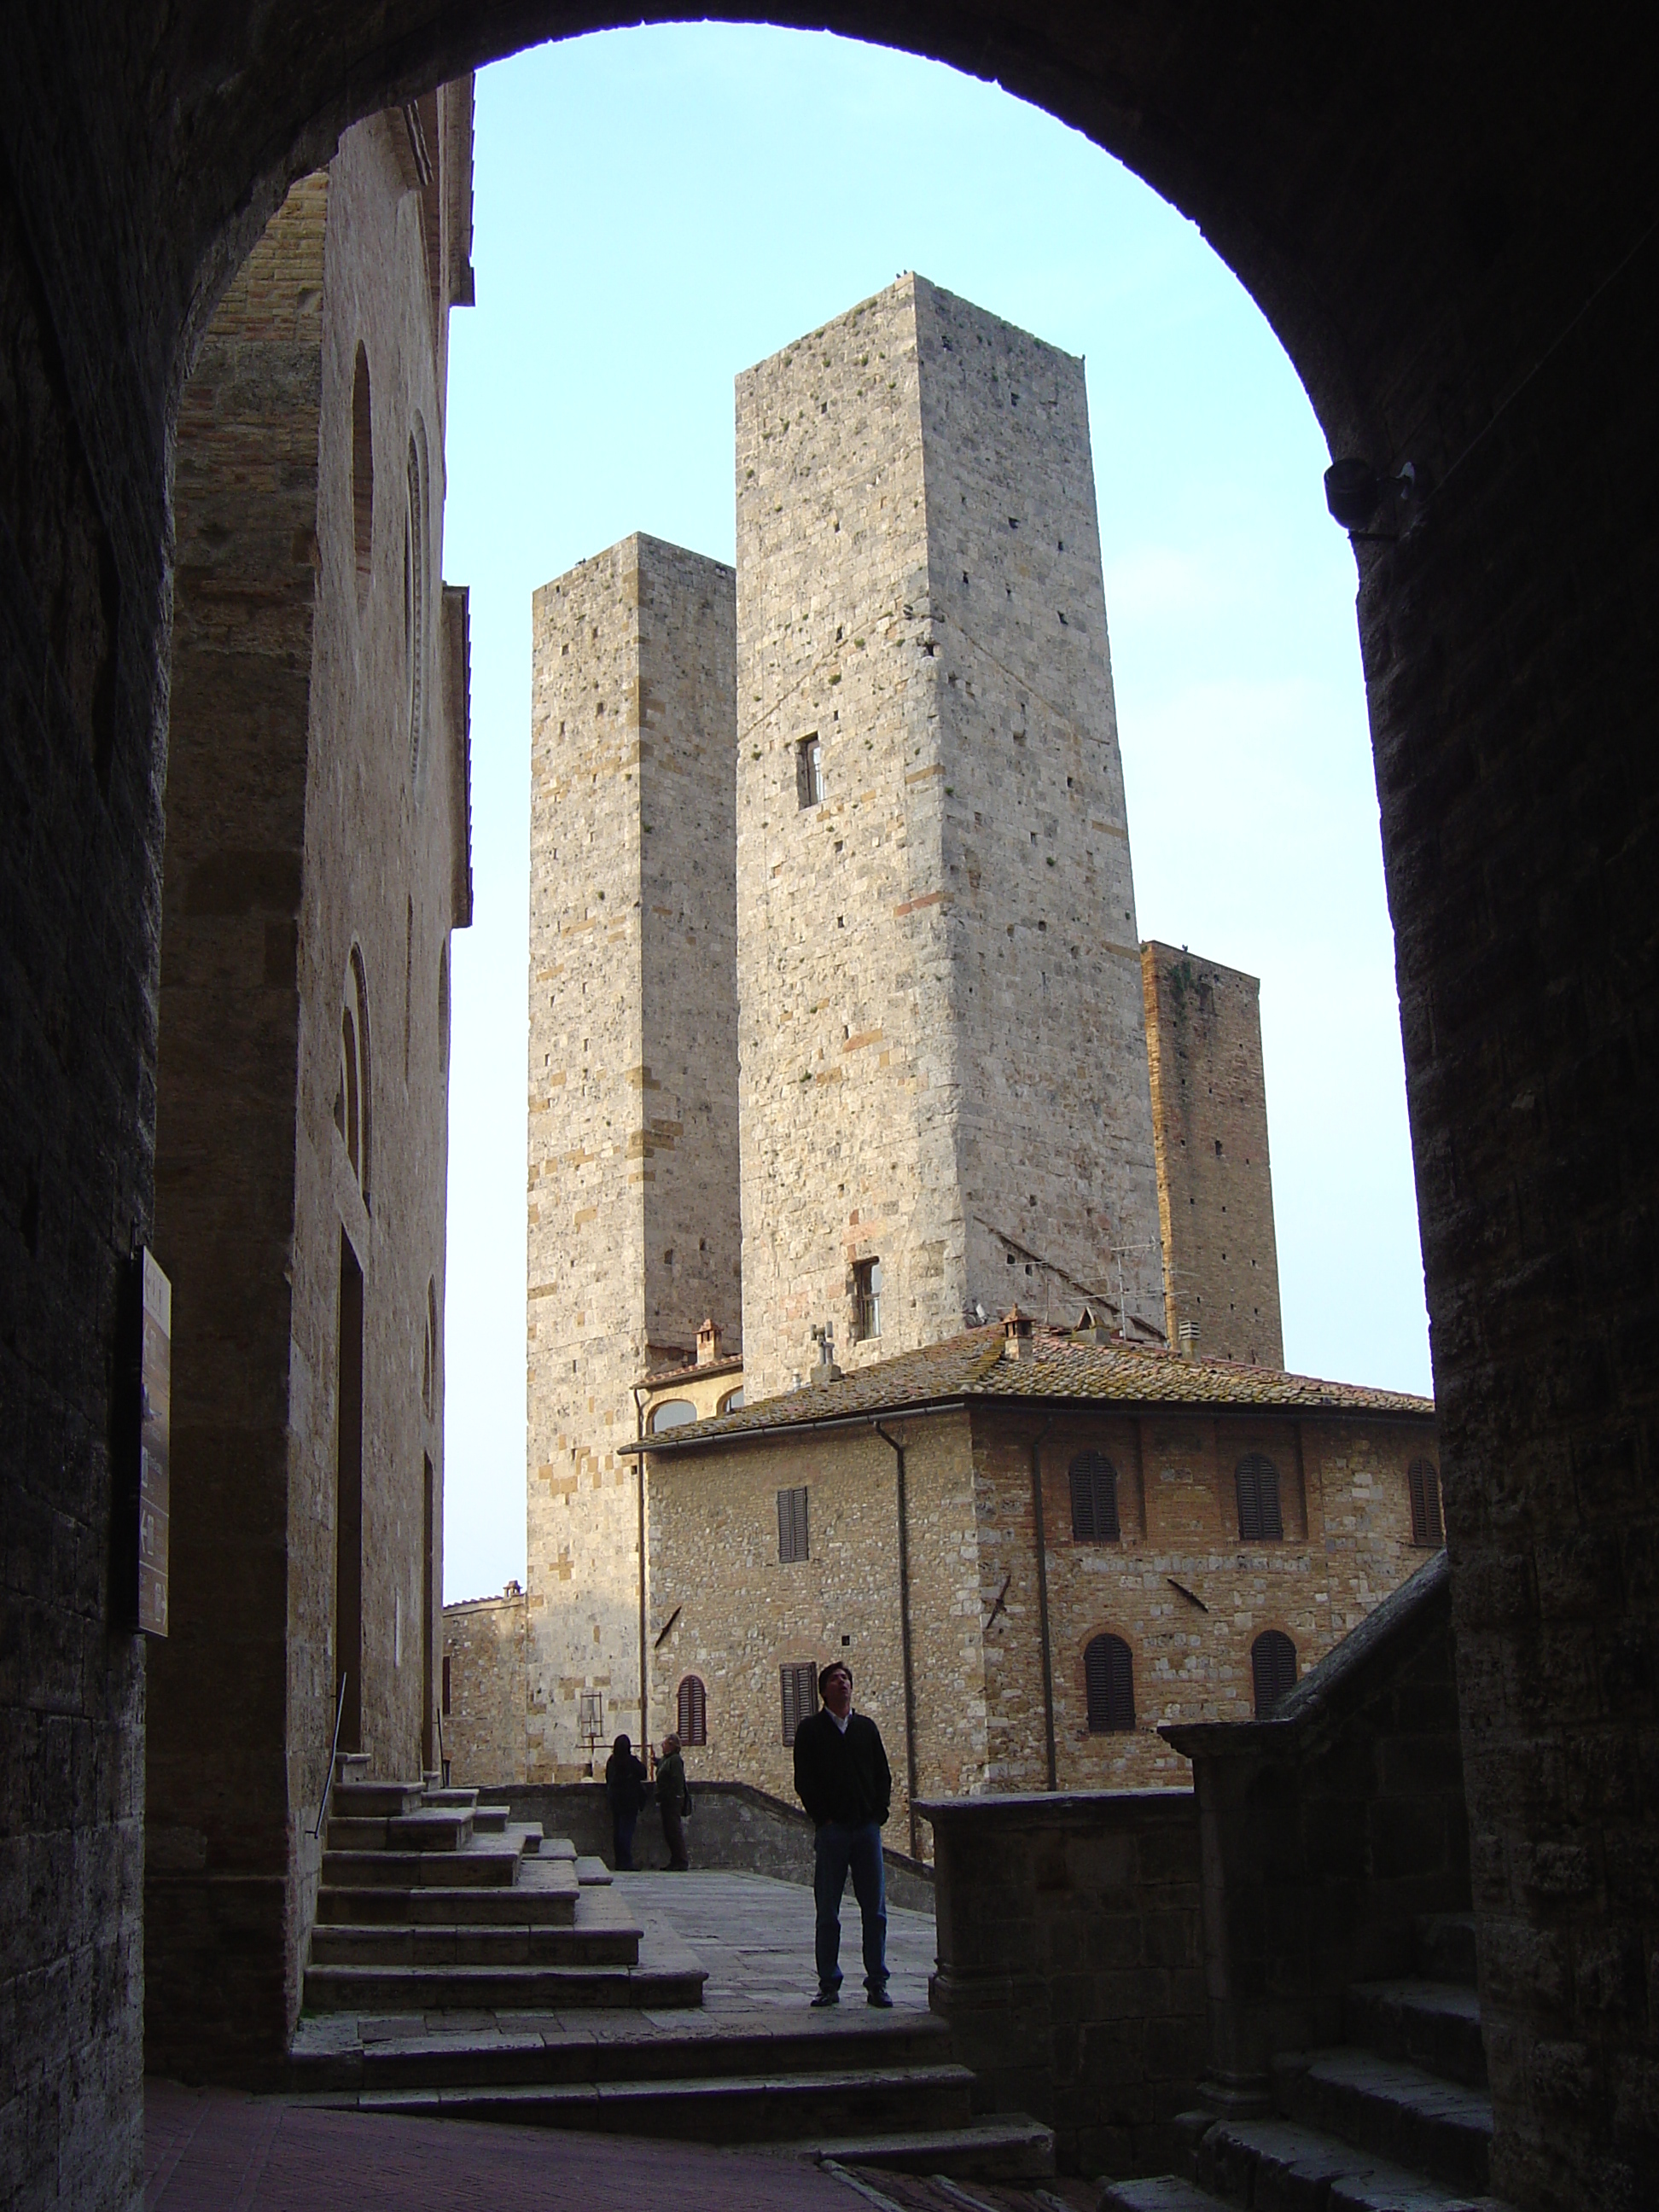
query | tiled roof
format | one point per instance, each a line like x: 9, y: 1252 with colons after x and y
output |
x: 971, y: 1366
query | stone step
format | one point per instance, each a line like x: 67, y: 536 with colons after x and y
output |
x: 592, y: 1870
x: 1395, y: 2111
x: 489, y: 1819
x: 443, y: 1798
x: 372, y: 1800
x: 1434, y: 2025
x: 558, y: 1847
x: 1445, y: 1947
x: 1279, y: 2163
x: 521, y: 1906
x: 391, y: 1988
x: 406, y: 1869
x: 1008, y: 2146
x: 731, y: 2109
x: 350, y: 1766
x: 704, y: 2051
x: 430, y: 1828
x: 1162, y: 2192
x: 338, y: 1943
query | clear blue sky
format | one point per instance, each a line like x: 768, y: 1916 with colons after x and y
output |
x: 655, y: 210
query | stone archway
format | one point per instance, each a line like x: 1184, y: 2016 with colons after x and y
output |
x: 1449, y: 229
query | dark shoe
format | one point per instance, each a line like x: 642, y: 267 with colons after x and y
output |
x: 826, y: 1997
x: 880, y: 1997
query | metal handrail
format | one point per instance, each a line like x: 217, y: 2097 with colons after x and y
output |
x: 333, y: 1758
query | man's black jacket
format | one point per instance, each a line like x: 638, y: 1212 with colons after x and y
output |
x: 841, y: 1777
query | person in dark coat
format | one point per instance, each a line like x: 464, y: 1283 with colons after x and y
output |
x: 673, y: 1802
x: 625, y: 1783
x: 843, y: 1778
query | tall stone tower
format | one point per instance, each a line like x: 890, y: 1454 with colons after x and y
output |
x: 1215, y: 1188
x: 944, y: 1082
x: 633, y: 1148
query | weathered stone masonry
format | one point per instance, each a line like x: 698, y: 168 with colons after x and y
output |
x: 633, y: 1167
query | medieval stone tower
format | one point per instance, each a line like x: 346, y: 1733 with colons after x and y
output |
x: 945, y: 1098
x: 633, y: 1145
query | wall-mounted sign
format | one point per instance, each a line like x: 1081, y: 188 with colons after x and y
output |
x: 154, y: 1406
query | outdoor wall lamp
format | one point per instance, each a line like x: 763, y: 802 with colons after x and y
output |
x: 1355, y: 491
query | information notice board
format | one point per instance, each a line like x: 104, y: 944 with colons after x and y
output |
x: 154, y: 1406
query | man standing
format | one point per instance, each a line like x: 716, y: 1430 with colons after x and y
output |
x: 673, y: 1802
x: 843, y: 1778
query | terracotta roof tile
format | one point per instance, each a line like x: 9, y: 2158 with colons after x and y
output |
x: 971, y: 1367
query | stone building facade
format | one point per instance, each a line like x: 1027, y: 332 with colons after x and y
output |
x: 1215, y: 1192
x: 317, y: 860
x: 912, y: 1550
x: 633, y: 1146
x: 934, y: 894
x: 481, y: 1707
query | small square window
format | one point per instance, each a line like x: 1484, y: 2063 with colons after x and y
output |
x: 867, y: 1300
x: 809, y: 772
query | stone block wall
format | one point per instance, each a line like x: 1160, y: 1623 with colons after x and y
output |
x: 921, y: 948
x: 633, y: 1170
x: 1071, y: 1965
x: 482, y: 1690
x: 316, y: 861
x: 1215, y: 1192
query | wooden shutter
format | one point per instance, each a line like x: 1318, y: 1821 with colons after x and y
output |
x: 1427, y: 1526
x: 792, y: 1526
x: 1273, y: 1664
x: 798, y: 1685
x: 692, y: 1716
x: 1109, y: 1675
x: 1094, y: 1500
x: 1259, y: 1518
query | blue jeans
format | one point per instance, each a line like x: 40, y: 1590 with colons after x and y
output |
x: 837, y: 1848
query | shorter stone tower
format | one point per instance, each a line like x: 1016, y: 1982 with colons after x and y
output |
x: 633, y: 1144
x: 1215, y: 1188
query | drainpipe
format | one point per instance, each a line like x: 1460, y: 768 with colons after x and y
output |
x: 639, y: 1472
x: 897, y: 1450
x: 1043, y: 1600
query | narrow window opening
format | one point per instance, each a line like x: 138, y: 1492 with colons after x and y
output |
x: 792, y: 1543
x: 867, y: 1300
x: 349, y: 1503
x: 809, y: 772
x: 799, y: 1689
x: 363, y: 475
x: 1428, y: 1523
x: 1273, y: 1668
x: 691, y: 1714
x: 1094, y: 1500
x: 1260, y: 1521
x: 1109, y: 1679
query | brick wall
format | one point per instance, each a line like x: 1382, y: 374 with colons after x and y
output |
x: 1215, y: 1191
x: 1071, y: 1965
x: 633, y: 1173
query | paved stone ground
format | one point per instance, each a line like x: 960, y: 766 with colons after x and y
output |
x: 217, y: 2150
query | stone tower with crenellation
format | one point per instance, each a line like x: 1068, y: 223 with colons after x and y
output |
x: 633, y: 1123
x: 945, y: 1099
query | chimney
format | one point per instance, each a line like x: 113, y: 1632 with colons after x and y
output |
x: 826, y: 1370
x: 1017, y: 1341
x: 709, y: 1343
x: 1186, y: 1337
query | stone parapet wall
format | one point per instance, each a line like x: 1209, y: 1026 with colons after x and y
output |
x: 1071, y: 1965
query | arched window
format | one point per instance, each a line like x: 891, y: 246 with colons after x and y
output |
x: 691, y: 1723
x: 1259, y: 1518
x: 1428, y: 1527
x: 1109, y: 1675
x: 732, y: 1402
x: 672, y: 1413
x: 1273, y: 1664
x: 347, y: 1099
x: 362, y: 474
x: 1094, y: 1499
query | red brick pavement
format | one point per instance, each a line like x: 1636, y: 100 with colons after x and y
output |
x: 218, y: 2150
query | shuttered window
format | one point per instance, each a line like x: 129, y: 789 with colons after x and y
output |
x: 1273, y: 1664
x: 1108, y: 1672
x: 1428, y: 1527
x: 1259, y: 1518
x: 792, y: 1526
x: 691, y: 1721
x: 799, y: 1688
x: 1094, y: 1499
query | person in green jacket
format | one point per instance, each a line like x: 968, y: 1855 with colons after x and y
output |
x: 673, y: 1802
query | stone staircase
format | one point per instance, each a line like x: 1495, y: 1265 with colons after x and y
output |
x: 464, y: 1966
x: 430, y: 1902
x: 1396, y: 2119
